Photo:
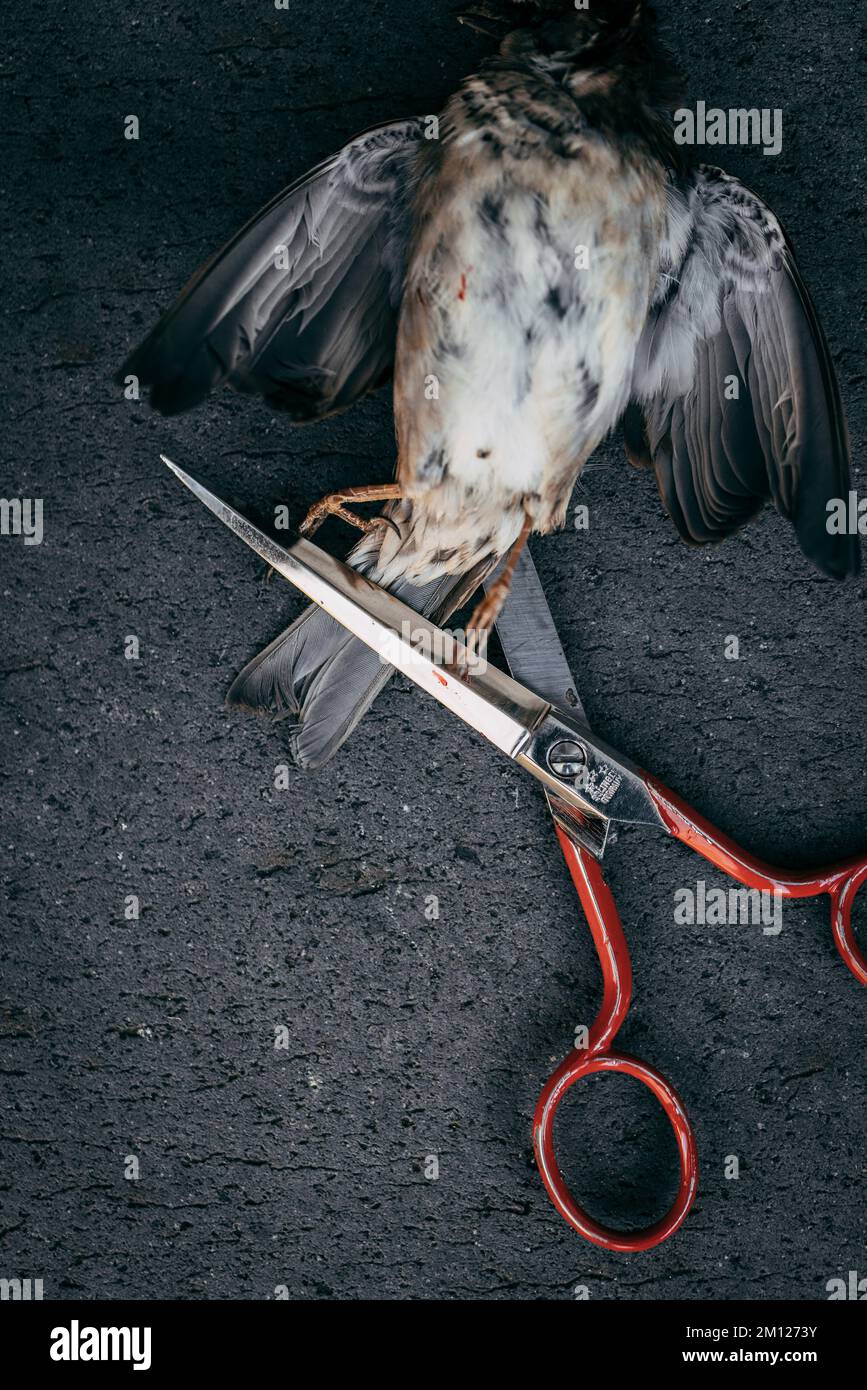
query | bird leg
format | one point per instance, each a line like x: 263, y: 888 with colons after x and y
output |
x: 491, y: 606
x: 335, y: 506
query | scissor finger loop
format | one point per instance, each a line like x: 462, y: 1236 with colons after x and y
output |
x: 576, y: 1067
x: 843, y: 896
x: 613, y: 951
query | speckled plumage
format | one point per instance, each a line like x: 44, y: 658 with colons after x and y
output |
x: 531, y: 272
x: 540, y: 265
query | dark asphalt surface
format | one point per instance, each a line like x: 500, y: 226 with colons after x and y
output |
x: 304, y: 909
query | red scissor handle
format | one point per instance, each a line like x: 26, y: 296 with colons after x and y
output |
x: 841, y: 881
x: 610, y: 942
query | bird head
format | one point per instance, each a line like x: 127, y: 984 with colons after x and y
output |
x: 572, y: 24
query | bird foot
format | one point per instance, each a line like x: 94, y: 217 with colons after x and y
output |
x: 481, y: 624
x: 491, y: 606
x: 335, y: 505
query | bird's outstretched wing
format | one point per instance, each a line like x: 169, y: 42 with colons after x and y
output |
x: 735, y: 398
x: 302, y: 303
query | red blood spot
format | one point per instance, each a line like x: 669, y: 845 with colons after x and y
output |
x: 462, y: 292
x: 442, y: 680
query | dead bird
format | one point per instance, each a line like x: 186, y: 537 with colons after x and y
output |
x: 534, y: 266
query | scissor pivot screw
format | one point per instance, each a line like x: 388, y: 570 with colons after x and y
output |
x: 567, y: 758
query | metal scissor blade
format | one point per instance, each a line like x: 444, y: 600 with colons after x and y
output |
x: 536, y: 658
x: 497, y: 707
x: 509, y: 715
x: 532, y: 644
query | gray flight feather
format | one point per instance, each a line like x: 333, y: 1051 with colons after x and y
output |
x: 302, y: 303
x: 321, y: 680
x: 737, y: 396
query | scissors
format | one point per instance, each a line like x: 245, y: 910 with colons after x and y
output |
x: 535, y: 717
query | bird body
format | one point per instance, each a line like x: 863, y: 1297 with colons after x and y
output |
x: 523, y: 309
x: 545, y: 267
x: 531, y: 272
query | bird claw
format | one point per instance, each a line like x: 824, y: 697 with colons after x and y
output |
x: 384, y: 521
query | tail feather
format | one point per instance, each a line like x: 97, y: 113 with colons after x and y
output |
x: 324, y: 680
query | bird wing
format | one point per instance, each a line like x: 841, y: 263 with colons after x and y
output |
x: 301, y: 305
x: 735, y: 398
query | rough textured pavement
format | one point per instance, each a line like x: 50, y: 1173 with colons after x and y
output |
x: 304, y: 1165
